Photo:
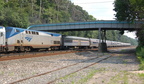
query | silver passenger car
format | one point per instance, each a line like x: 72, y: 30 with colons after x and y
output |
x: 76, y: 42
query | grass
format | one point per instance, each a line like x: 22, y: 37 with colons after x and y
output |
x: 89, y: 76
x: 125, y: 78
x: 69, y: 76
x: 122, y: 76
x: 141, y: 75
x: 11, y: 74
x: 23, y: 75
x: 141, y: 66
x: 1, y: 72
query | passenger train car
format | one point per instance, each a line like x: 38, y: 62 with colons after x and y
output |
x: 75, y: 42
x: 18, y: 39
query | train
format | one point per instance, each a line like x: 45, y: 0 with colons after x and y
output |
x: 20, y: 39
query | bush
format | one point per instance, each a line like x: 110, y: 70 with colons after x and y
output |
x: 140, y: 56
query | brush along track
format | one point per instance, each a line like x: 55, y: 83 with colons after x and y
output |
x: 98, y: 59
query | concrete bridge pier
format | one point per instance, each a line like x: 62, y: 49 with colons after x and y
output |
x: 102, y: 47
x: 102, y: 41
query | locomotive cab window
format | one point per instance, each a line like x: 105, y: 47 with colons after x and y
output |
x: 17, y: 30
x: 26, y: 32
x: 51, y: 34
x: 1, y: 34
x: 32, y: 32
x: 29, y: 32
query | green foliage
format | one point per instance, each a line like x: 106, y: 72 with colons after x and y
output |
x: 129, y: 10
x: 140, y: 34
x: 21, y: 13
x: 12, y: 15
x: 13, y: 18
x: 140, y: 55
x: 122, y: 9
x: 140, y: 52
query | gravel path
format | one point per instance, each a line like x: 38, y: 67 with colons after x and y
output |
x: 115, y: 70
x: 118, y: 69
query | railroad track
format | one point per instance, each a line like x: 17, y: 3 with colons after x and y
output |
x: 13, y: 56
x: 98, y: 59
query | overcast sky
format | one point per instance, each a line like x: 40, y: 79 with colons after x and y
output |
x: 100, y: 9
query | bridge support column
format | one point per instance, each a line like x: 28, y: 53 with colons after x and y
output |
x: 102, y: 41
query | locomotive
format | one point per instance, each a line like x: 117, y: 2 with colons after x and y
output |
x: 19, y: 39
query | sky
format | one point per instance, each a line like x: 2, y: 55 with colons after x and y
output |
x: 101, y: 10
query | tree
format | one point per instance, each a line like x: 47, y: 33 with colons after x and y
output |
x: 126, y: 10
x: 131, y: 10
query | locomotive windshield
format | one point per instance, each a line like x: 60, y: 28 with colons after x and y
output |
x: 1, y: 27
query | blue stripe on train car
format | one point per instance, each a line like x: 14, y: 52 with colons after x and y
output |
x: 53, y: 34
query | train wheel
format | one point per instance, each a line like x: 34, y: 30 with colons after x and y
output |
x: 21, y: 49
x: 27, y: 49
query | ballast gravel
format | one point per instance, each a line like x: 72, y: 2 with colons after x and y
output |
x: 114, y: 70
x: 13, y: 70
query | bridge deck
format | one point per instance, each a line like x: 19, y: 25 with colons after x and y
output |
x: 95, y: 25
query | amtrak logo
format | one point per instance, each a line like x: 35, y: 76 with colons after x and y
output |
x: 28, y: 38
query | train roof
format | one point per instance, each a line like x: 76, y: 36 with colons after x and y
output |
x: 11, y: 31
x: 75, y: 37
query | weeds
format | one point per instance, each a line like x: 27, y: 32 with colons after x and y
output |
x: 11, y: 74
x: 120, y: 77
x: 69, y: 76
x: 141, y: 75
x: 1, y: 72
x: 89, y: 76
